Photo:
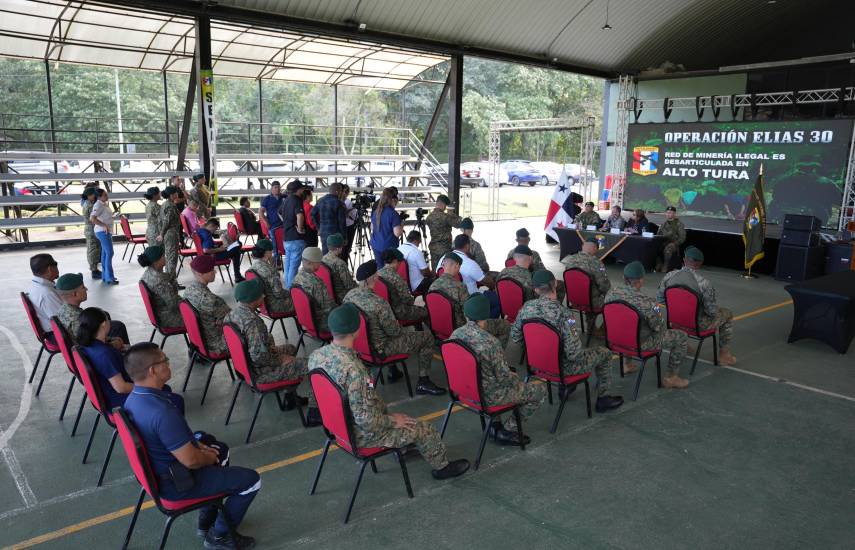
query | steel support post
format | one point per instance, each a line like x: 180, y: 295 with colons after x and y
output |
x: 455, y: 121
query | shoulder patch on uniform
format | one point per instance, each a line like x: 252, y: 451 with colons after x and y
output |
x: 656, y: 308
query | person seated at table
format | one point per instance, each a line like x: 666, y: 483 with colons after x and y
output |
x: 588, y: 217
x: 191, y: 216
x: 250, y: 222
x: 206, y: 235
x: 675, y: 233
x: 587, y: 260
x: 73, y: 292
x: 615, y: 221
x: 523, y: 238
x: 638, y: 224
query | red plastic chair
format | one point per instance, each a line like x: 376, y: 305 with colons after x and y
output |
x: 241, y: 227
x: 325, y: 275
x: 510, y: 262
x: 511, y: 298
x: 99, y: 402
x: 46, y: 343
x: 273, y: 316
x: 265, y: 227
x: 234, y: 236
x: 197, y: 347
x: 622, y: 324
x: 219, y: 263
x: 185, y: 228
x: 465, y: 388
x: 579, y: 287
x: 166, y: 332
x: 130, y: 238
x: 64, y: 342
x: 684, y: 314
x: 440, y: 271
x: 240, y: 357
x: 141, y: 465
x: 382, y: 289
x: 373, y: 358
x: 305, y: 309
x: 440, y: 314
x: 404, y: 272
x: 544, y: 347
x: 182, y: 254
x: 338, y: 425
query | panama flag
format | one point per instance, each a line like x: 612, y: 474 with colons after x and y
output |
x: 561, y: 207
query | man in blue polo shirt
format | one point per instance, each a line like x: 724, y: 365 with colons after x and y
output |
x: 269, y: 212
x: 185, y: 467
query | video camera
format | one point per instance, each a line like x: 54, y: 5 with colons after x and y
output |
x: 363, y: 200
x: 421, y: 213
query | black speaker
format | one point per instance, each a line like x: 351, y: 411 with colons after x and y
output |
x: 798, y: 263
x: 838, y: 257
x: 797, y: 237
x: 802, y: 222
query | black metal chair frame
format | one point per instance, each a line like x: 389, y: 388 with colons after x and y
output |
x: 74, y: 377
x: 93, y: 377
x: 43, y: 348
x: 157, y: 328
x: 638, y: 356
x: 379, y: 356
x: 274, y: 320
x: 699, y: 339
x: 303, y: 332
x: 195, y: 353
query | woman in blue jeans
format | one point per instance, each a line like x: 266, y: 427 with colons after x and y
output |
x: 102, y: 219
x: 386, y: 225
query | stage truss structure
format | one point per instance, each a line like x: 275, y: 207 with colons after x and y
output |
x: 627, y: 87
x: 586, y: 150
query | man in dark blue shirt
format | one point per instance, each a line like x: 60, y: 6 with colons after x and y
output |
x: 206, y: 235
x: 174, y: 448
x: 330, y: 214
x: 269, y: 212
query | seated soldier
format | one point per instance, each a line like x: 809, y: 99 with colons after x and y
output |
x: 342, y: 280
x: 654, y: 333
x: 276, y: 298
x: 675, y: 233
x: 574, y: 358
x: 476, y: 251
x: 163, y: 287
x: 519, y: 272
x: 314, y: 287
x: 222, y: 251
x: 587, y: 260
x: 448, y: 285
x: 400, y: 298
x: 374, y: 426
x: 588, y: 218
x: 270, y: 363
x: 499, y: 384
x: 524, y: 239
x: 711, y: 314
x: 386, y: 335
x: 211, y: 308
x: 173, y: 449
x: 73, y: 292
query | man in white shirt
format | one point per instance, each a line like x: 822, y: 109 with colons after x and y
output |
x: 42, y: 291
x: 473, y: 276
x: 420, y: 274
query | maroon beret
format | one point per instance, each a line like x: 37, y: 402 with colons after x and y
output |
x: 203, y: 263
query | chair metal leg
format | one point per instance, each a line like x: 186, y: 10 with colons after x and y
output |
x: 697, y: 354
x: 91, y: 437
x: 715, y: 349
x: 300, y: 342
x: 231, y: 370
x: 659, y: 370
x: 107, y: 457
x: 620, y: 363
x: 153, y: 332
x: 638, y: 378
x: 79, y: 414
x: 163, y: 342
x: 189, y: 370
x: 125, y: 251
x: 520, y: 428
x: 588, y: 396
x: 36, y: 364
x: 166, y: 529
x: 403, y: 464
x: 560, y: 406
x: 134, y: 520
x: 44, y: 374
x: 374, y: 466
x: 549, y: 391
x: 445, y: 420
x: 590, y: 334
x: 255, y: 416
x: 355, y: 490
x: 320, y: 466
x: 232, y: 407
x: 486, y: 431
x: 208, y: 383
x: 407, y: 378
x: 284, y: 330
x: 67, y: 396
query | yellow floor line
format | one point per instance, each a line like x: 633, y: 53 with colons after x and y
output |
x: 762, y: 310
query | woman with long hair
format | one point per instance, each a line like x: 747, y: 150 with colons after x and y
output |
x: 170, y: 227
x: 152, y: 215
x: 163, y: 287
x: 93, y: 247
x: 386, y: 224
x: 102, y: 219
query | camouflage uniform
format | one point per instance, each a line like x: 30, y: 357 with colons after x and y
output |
x: 317, y: 290
x: 201, y: 195
x: 93, y: 246
x: 69, y: 317
x: 373, y: 427
x: 265, y: 356
x: 458, y: 294
x: 170, y: 231
x: 584, y: 219
x: 400, y: 298
x: 591, y: 265
x: 152, y: 220
x: 675, y: 232
x: 440, y: 224
x: 386, y: 335
x: 520, y: 275
x: 653, y: 331
x: 477, y: 254
x: 536, y: 262
x: 342, y: 280
x: 276, y: 298
x: 711, y: 315
x: 574, y: 358
x: 212, y: 310
x: 499, y: 384
x: 165, y: 299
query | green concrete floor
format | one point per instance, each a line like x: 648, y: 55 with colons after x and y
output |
x: 741, y: 459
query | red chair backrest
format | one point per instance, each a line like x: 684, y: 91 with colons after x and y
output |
x: 33, y: 317
x: 90, y: 383
x: 145, y: 292
x: 265, y: 227
x: 325, y: 275
x: 623, y: 327
x: 684, y: 310
x: 191, y: 322
x: 63, y: 340
x: 441, y: 314
x: 137, y: 453
x: 464, y: 376
x: 404, y: 271
x: 361, y: 343
x: 381, y: 289
x: 197, y: 242
x: 510, y: 262
x: 279, y: 236
x: 239, y: 221
x: 232, y: 231
x: 304, y: 310
x: 543, y: 346
x: 185, y: 226
x: 440, y: 271
x: 511, y: 297
x: 126, y: 227
x: 238, y: 351
x: 250, y: 275
x: 335, y: 409
x: 578, y: 285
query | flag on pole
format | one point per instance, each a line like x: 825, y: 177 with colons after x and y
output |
x: 754, y: 225
x: 562, y: 210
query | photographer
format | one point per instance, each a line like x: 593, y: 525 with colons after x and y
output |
x: 351, y: 215
x: 386, y: 224
x: 329, y: 214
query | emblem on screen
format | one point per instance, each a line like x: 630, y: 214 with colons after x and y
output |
x: 645, y: 160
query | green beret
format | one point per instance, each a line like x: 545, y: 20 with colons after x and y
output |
x: 694, y: 253
x: 454, y: 257
x: 542, y: 277
x: 466, y: 223
x: 522, y: 233
x: 264, y: 244
x: 592, y: 239
x: 670, y: 209
x: 634, y: 270
x: 69, y: 281
x: 343, y: 319
x: 444, y: 198
x: 522, y: 249
x: 335, y: 241
x: 197, y: 177
x: 313, y: 254
x: 249, y: 291
x: 477, y: 307
x: 392, y: 254
x: 589, y: 203
x: 154, y: 252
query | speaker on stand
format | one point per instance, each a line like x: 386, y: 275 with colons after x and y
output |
x: 800, y: 254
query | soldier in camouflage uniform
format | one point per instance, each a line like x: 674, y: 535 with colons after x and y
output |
x: 499, y: 384
x: 711, y: 314
x: 587, y: 260
x: 386, y: 335
x: 523, y: 238
x: 588, y: 217
x: 455, y: 291
x: 277, y: 299
x: 170, y: 227
x: 211, y: 308
x: 574, y: 358
x: 519, y: 272
x: 152, y: 215
x: 93, y: 246
x: 163, y: 287
x: 654, y: 333
x: 374, y: 426
x: 342, y: 280
x: 73, y: 292
x: 314, y: 287
x: 400, y: 297
x: 269, y: 363
x: 440, y: 223
x: 673, y: 230
x: 476, y: 252
x: 201, y: 195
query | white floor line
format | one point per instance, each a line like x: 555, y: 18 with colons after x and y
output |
x: 794, y: 384
x: 21, y: 482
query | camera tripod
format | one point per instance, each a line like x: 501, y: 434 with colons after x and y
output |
x: 361, y: 240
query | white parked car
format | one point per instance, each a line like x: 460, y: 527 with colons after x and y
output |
x: 550, y: 171
x: 575, y: 171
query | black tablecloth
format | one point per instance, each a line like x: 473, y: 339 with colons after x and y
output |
x: 824, y: 309
x: 623, y: 248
